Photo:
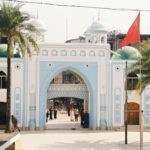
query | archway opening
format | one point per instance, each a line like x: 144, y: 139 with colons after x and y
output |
x: 133, y: 113
x: 2, y: 115
x: 3, y: 80
x: 3, y: 86
x: 67, y: 102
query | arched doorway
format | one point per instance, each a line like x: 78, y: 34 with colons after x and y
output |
x: 133, y: 114
x: 67, y: 91
x: 49, y: 70
x: 2, y: 115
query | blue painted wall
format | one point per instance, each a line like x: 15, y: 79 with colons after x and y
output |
x: 88, y: 72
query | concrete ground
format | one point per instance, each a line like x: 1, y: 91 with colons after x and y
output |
x: 60, y: 136
x: 80, y: 140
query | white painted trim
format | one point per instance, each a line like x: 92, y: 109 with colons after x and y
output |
x: 37, y: 92
x: 107, y: 91
x: 98, y: 95
x: 9, y: 142
x: 28, y: 94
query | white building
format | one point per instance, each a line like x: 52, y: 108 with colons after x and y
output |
x: 102, y: 87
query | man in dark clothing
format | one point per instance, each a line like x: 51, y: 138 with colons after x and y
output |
x: 81, y: 115
x: 55, y: 113
x: 51, y: 113
x: 47, y: 115
x: 86, y: 120
x: 15, y: 123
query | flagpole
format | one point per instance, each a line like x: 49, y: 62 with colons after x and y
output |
x: 132, y: 36
x: 126, y: 109
x: 141, y: 109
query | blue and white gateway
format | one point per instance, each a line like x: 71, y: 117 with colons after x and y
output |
x: 81, y: 71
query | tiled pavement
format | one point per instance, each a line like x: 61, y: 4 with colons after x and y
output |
x: 60, y: 136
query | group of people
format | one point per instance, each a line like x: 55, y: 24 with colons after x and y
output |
x: 74, y: 114
x: 50, y: 113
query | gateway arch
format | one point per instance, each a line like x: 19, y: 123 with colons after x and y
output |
x: 68, y: 85
x: 86, y: 91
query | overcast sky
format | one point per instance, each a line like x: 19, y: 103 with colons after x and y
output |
x: 66, y: 23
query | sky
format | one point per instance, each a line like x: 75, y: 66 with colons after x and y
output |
x: 65, y: 23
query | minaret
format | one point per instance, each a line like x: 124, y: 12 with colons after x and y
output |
x: 96, y: 33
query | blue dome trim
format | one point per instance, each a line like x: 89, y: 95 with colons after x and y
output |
x: 3, y: 51
x: 127, y: 53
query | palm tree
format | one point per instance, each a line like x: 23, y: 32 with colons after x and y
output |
x: 15, y: 26
x: 142, y: 67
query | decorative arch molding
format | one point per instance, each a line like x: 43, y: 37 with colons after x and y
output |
x: 117, y: 106
x: 17, y: 103
x: 63, y: 53
x: 82, y: 53
x: 73, y: 53
x: 92, y: 53
x: 146, y: 106
x: 54, y: 52
x: 89, y: 75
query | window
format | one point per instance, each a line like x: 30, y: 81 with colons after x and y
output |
x: 92, y: 53
x: 3, y: 80
x: 132, y: 81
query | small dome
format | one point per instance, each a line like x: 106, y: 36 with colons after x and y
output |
x: 96, y: 26
x: 3, y: 51
x: 38, y: 24
x: 127, y: 53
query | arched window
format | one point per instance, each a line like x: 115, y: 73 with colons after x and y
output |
x: 132, y: 81
x: 3, y: 80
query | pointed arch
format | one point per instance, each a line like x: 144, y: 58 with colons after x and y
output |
x: 87, y: 71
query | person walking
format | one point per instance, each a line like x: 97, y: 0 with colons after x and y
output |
x: 86, y: 120
x: 76, y: 113
x: 68, y: 110
x: 15, y: 123
x: 47, y: 115
x: 81, y: 116
x: 51, y: 113
x: 55, y: 113
x: 71, y: 115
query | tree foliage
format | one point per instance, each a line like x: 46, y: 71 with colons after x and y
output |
x: 142, y: 66
x: 16, y: 26
x: 20, y: 33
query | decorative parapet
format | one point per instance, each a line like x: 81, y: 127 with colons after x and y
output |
x: 65, y: 90
x: 75, y: 50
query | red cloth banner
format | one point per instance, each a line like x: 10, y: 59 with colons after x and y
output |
x: 133, y: 34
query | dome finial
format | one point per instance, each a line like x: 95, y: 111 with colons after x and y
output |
x: 98, y: 16
x: 93, y: 19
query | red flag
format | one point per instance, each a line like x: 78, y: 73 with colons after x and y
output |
x: 133, y: 34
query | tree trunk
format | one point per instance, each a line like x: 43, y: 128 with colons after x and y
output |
x: 8, y: 111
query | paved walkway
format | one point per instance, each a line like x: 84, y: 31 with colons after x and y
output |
x: 80, y: 139
x: 62, y: 122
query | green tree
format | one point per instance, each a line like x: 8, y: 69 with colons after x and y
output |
x: 142, y: 67
x: 20, y: 33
